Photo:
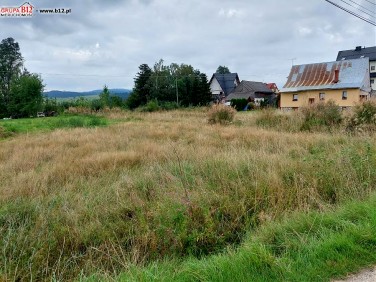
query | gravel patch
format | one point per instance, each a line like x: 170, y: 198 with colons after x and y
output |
x: 368, y: 275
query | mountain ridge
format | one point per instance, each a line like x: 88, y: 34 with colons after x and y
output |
x: 120, y: 92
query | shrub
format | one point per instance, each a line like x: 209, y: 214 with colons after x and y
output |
x: 363, y: 118
x: 169, y: 106
x: 221, y: 114
x: 321, y: 115
x: 151, y: 106
x: 239, y: 104
x: 264, y: 103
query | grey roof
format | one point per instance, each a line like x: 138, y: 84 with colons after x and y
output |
x: 368, y: 52
x: 251, y: 89
x: 352, y: 74
x: 226, y: 81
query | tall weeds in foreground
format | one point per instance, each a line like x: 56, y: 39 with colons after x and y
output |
x: 363, y: 119
x: 322, y: 115
x: 221, y: 114
x: 282, y: 121
x: 168, y: 185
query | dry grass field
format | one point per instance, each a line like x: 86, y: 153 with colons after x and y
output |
x: 158, y: 185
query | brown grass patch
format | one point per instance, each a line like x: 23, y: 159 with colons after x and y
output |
x: 162, y: 184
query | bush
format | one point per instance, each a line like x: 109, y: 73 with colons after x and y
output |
x: 363, y: 118
x: 264, y: 103
x: 169, y: 106
x: 321, y: 115
x: 221, y: 114
x: 151, y: 106
x: 239, y: 104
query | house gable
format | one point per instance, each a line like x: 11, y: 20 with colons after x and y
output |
x: 215, y: 87
x: 227, y: 83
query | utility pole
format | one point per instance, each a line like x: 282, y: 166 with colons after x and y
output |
x: 292, y: 61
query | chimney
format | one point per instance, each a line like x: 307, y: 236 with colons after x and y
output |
x: 336, y: 76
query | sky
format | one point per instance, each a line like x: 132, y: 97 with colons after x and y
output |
x: 104, y: 42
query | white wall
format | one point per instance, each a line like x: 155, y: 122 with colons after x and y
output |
x: 373, y: 64
x: 215, y: 87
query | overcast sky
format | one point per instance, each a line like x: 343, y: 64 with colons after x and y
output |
x: 104, y: 42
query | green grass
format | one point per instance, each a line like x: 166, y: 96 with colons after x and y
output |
x: 31, y: 125
x: 305, y: 247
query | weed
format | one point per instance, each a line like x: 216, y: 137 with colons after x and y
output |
x: 321, y: 115
x: 363, y: 118
x: 221, y: 114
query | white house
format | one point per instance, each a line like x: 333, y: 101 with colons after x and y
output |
x: 221, y: 85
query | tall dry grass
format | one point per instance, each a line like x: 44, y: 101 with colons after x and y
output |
x: 161, y: 184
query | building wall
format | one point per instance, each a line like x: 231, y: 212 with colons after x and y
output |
x: 353, y: 97
x: 372, y: 64
x: 215, y: 87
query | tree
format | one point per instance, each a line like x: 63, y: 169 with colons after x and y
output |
x: 141, y: 93
x: 162, y: 82
x: 26, y: 97
x: 222, y: 70
x: 104, y: 97
x: 11, y: 62
x: 173, y: 83
x: 204, y: 90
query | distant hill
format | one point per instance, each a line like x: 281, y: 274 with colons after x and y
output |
x: 123, y: 93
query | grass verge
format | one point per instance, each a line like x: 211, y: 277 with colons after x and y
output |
x: 305, y: 247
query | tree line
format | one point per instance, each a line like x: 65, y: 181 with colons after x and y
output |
x: 174, y: 83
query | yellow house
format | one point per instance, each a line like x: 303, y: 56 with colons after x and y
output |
x: 345, y: 82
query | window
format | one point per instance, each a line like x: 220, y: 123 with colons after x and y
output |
x: 322, y: 96
x: 344, y: 95
x: 372, y: 81
x: 373, y: 68
x: 363, y: 98
x: 295, y: 97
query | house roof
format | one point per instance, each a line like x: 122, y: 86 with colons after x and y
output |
x: 358, y: 52
x: 249, y: 89
x: 271, y: 85
x: 226, y: 81
x: 352, y: 74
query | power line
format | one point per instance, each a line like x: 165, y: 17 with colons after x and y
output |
x: 373, y: 16
x: 370, y: 2
x: 352, y: 13
x: 365, y: 8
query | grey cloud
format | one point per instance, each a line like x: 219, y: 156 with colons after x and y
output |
x: 257, y: 39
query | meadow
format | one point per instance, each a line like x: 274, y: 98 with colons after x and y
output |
x: 167, y: 196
